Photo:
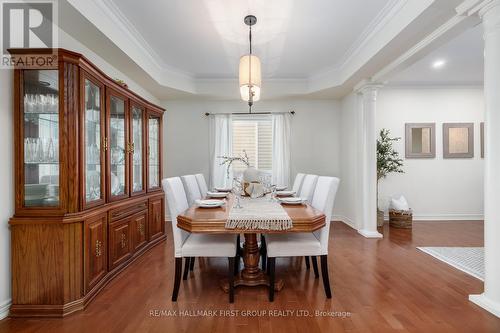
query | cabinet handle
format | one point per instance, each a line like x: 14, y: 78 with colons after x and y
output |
x: 124, y: 243
x: 130, y: 147
x: 140, y: 228
x: 98, y: 248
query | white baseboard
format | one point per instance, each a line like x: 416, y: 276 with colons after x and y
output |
x: 352, y: 224
x: 444, y: 217
x: 370, y: 234
x: 346, y: 220
x: 487, y: 304
x: 4, y: 309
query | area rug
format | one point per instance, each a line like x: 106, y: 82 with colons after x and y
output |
x: 467, y: 259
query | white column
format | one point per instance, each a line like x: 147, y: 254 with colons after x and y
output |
x: 368, y: 159
x: 490, y: 298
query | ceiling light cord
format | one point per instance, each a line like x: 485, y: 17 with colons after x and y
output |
x: 250, y: 93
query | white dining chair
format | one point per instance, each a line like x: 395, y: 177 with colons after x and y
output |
x: 191, y: 188
x: 306, y: 244
x: 188, y: 245
x: 308, y: 186
x: 202, y: 184
x: 298, y: 182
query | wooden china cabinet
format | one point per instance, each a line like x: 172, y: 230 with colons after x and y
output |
x: 88, y: 199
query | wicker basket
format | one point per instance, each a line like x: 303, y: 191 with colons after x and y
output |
x: 400, y: 218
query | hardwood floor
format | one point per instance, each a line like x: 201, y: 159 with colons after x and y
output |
x: 386, y: 286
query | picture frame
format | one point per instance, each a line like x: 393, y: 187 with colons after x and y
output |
x: 458, y: 140
x: 420, y: 140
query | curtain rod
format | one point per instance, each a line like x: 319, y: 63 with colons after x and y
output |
x: 250, y: 113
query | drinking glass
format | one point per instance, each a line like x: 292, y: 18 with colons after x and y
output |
x: 237, y: 189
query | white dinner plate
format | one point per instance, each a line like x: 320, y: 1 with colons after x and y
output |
x: 292, y: 201
x: 223, y: 189
x: 210, y: 203
x: 217, y: 194
x: 285, y: 193
x: 281, y: 188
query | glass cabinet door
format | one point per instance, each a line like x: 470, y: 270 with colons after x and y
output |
x: 136, y: 149
x: 117, y: 141
x: 93, y: 132
x: 154, y: 152
x: 41, y: 138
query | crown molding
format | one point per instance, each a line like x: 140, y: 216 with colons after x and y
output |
x: 117, y: 16
x: 475, y: 7
x: 434, y: 85
x: 398, y: 16
x: 375, y: 26
x: 392, y: 19
x: 106, y: 17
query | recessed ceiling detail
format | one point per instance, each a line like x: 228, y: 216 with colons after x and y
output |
x: 458, y: 62
x: 305, y: 46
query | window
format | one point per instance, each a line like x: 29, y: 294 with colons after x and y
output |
x: 253, y: 134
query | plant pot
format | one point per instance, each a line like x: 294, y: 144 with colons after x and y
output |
x: 380, y: 218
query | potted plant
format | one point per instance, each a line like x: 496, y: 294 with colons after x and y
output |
x: 388, y: 161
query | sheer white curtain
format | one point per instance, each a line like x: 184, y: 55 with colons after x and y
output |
x: 281, y: 149
x: 220, y: 144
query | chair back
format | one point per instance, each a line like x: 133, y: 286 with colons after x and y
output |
x: 308, y: 186
x: 323, y: 200
x: 298, y: 182
x: 177, y: 204
x: 202, y: 184
x: 192, y: 189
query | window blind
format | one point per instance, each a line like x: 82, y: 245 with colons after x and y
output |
x: 254, y: 135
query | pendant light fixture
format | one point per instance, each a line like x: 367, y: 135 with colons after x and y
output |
x: 250, y: 71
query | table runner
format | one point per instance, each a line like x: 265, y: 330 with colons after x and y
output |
x: 258, y: 214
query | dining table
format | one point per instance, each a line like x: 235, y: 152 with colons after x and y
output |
x: 195, y: 219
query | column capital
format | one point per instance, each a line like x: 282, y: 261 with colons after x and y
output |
x: 490, y: 15
x: 367, y: 87
x: 476, y: 7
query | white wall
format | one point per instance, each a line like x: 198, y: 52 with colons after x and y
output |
x: 315, y: 134
x: 435, y: 188
x: 6, y: 184
x: 6, y: 150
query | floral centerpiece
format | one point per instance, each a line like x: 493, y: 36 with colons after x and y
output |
x: 250, y: 175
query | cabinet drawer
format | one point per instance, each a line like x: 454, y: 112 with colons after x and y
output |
x: 95, y: 250
x: 125, y: 211
x: 139, y: 230
x: 120, y: 247
x: 156, y: 218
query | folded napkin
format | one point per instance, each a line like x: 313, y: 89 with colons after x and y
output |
x: 255, y: 190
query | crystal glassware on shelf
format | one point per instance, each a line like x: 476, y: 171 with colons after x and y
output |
x: 40, y: 153
x: 27, y: 150
x: 32, y: 150
x: 29, y: 103
x: 50, y: 151
x: 52, y: 101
